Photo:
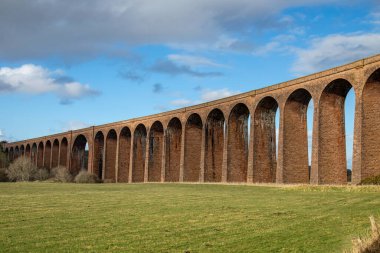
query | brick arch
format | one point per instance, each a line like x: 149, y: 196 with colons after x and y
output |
x: 264, y: 140
x: 139, y: 148
x: 237, y: 143
x: 33, y: 153
x: 193, y: 148
x: 47, y: 155
x: 332, y: 138
x: 124, y: 154
x: 295, y: 144
x: 16, y: 152
x: 371, y: 126
x: 79, y: 155
x: 156, y: 141
x: 55, y: 153
x: 63, y: 152
x: 27, y: 150
x: 214, y: 143
x: 98, y: 155
x: 11, y: 154
x: 40, y: 155
x: 173, y: 150
x: 22, y: 150
x: 110, y: 156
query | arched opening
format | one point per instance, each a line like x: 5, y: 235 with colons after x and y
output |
x: 22, y: 150
x: 295, y: 144
x: 55, y: 154
x: 27, y: 151
x: 237, y: 159
x: 193, y: 146
x: 173, y: 150
x: 110, y: 166
x: 371, y: 127
x: 332, y: 166
x: 124, y: 154
x: 33, y: 155
x: 16, y: 153
x: 47, y: 155
x: 11, y: 154
x: 63, y: 152
x: 264, y: 141
x: 40, y: 155
x: 98, y: 154
x: 156, y: 140
x: 214, y: 146
x: 79, y: 155
x: 139, y: 147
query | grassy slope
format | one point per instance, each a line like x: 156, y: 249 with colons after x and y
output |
x: 178, y: 217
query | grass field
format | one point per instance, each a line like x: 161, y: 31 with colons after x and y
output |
x: 52, y: 217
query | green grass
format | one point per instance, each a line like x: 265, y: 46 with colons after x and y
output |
x: 49, y: 217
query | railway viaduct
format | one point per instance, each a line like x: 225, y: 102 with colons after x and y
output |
x: 233, y: 139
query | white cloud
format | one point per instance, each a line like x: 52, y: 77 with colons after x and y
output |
x: 208, y: 95
x: 333, y: 50
x: 193, y: 61
x: 74, y: 125
x: 182, y: 102
x: 108, y: 27
x: 34, y: 79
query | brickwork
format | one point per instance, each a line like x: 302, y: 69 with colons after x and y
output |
x: 47, y: 155
x: 173, y: 150
x: 156, y: 145
x: 139, y: 146
x: 63, y: 152
x: 238, y: 144
x: 110, y: 156
x: 296, y: 163
x: 124, y: 154
x: 55, y: 154
x: 193, y: 142
x: 212, y: 142
x: 264, y: 157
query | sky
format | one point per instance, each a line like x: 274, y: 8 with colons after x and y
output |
x: 68, y: 64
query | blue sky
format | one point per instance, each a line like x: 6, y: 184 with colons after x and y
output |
x: 68, y: 64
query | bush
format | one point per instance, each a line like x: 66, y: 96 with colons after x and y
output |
x: 371, y: 244
x: 61, y: 174
x: 85, y: 177
x: 41, y: 175
x: 375, y: 180
x: 22, y: 169
x: 3, y: 175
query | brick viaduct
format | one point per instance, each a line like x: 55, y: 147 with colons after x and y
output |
x: 212, y: 142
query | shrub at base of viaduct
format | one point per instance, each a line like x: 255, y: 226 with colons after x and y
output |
x: 234, y: 139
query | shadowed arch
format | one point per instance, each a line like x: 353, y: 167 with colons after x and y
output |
x: 193, y: 147
x: 27, y: 151
x: 16, y: 153
x: 22, y: 150
x: 47, y: 155
x: 264, y: 141
x: 79, y: 155
x: 33, y: 154
x: 139, y: 147
x: 173, y: 150
x: 238, y: 141
x: 332, y: 139
x: 63, y: 152
x: 40, y: 155
x: 110, y: 162
x: 156, y: 140
x: 98, y: 154
x: 55, y: 154
x: 371, y: 127
x: 11, y: 154
x: 124, y: 154
x: 295, y: 145
x: 214, y: 143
